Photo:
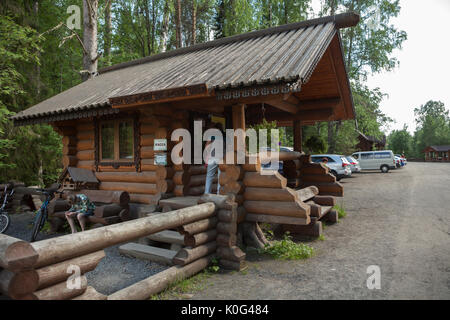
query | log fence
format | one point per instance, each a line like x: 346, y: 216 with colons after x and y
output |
x: 39, y: 270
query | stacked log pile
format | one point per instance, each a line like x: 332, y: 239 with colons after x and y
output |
x: 22, y: 199
x: 190, y: 180
x: 230, y: 256
x: 199, y: 239
x: 291, y: 170
x: 40, y: 270
x: 268, y: 199
x: 180, y: 179
x: 111, y: 207
x: 23, y: 278
x: 318, y: 174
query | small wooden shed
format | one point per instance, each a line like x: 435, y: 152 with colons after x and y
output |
x: 437, y: 153
x: 369, y: 143
x: 119, y: 124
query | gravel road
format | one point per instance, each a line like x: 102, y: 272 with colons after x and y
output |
x: 114, y: 272
x: 398, y: 221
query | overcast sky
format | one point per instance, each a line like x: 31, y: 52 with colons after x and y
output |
x: 424, y: 68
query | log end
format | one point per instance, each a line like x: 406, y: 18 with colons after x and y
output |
x: 20, y: 255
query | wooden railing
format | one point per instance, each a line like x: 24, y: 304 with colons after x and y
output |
x: 39, y: 270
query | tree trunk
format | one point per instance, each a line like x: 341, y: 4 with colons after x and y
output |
x: 270, y: 12
x: 107, y: 39
x: 148, y: 27
x: 38, y: 67
x: 194, y: 22
x: 90, y: 57
x: 178, y: 24
x: 165, y: 27
x: 154, y: 14
x: 330, y: 137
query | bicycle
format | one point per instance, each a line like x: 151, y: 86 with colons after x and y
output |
x: 4, y: 216
x: 42, y: 213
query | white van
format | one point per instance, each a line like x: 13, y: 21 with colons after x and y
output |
x: 375, y: 160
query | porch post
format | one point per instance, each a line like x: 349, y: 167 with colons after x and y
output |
x: 297, y: 136
x: 238, y: 115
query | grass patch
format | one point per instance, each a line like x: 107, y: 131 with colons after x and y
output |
x: 321, y: 237
x: 179, y: 289
x: 286, y: 249
x: 340, y: 210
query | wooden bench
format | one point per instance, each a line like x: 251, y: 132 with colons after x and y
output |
x: 110, y: 207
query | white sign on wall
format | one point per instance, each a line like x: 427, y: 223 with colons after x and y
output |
x: 160, y: 159
x: 160, y: 145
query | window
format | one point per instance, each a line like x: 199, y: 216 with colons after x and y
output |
x: 355, y: 155
x: 382, y: 155
x: 366, y: 156
x: 117, y: 140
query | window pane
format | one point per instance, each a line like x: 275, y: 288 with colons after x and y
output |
x: 125, y: 140
x: 366, y: 156
x: 107, y: 136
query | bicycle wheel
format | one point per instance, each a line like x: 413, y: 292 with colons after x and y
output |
x: 4, y: 221
x: 38, y: 223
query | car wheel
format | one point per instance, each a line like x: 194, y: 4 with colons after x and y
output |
x: 384, y: 169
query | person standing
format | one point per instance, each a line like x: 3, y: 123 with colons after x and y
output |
x: 212, y: 162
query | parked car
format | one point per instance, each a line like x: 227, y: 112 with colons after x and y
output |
x: 403, y: 158
x: 286, y: 149
x: 338, y: 164
x: 278, y: 166
x: 399, y: 161
x: 354, y: 164
x: 376, y: 160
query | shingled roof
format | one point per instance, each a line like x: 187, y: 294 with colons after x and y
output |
x: 441, y: 148
x: 286, y: 54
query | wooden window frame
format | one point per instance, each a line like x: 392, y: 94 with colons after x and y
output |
x: 117, y: 162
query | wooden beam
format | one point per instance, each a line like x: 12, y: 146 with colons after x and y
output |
x: 291, y: 98
x: 319, y: 103
x: 283, y: 105
x: 337, y: 62
x: 306, y: 115
x: 238, y: 115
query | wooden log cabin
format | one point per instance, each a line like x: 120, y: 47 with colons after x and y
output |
x: 437, y: 153
x: 119, y: 123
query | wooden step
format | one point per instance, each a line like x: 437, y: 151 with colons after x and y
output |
x: 168, y: 236
x: 154, y: 254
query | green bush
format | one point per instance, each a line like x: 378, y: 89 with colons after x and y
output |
x: 286, y: 249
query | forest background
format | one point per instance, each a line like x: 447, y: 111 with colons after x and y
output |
x: 44, y: 50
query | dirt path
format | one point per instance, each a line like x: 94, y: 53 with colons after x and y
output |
x: 398, y: 221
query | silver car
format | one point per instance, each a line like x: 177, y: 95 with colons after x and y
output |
x: 338, y: 164
x: 354, y: 164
